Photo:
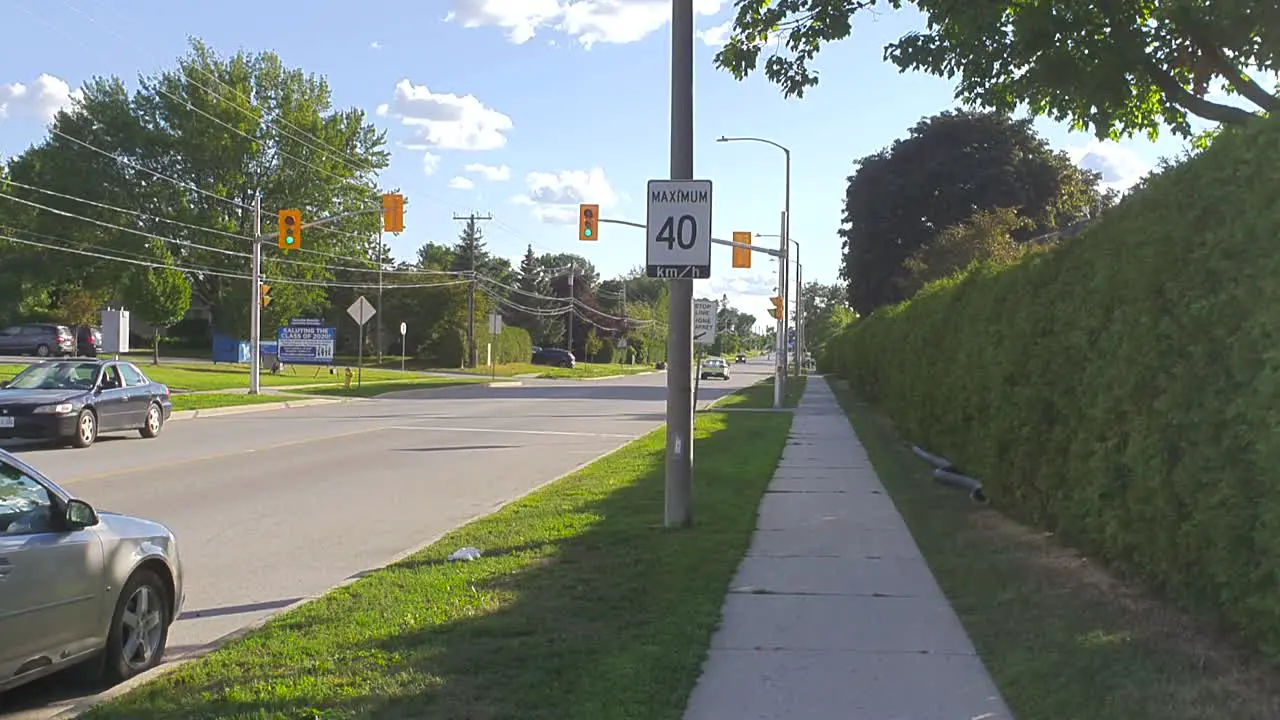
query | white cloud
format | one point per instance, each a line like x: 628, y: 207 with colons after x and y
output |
x: 589, y: 21
x: 430, y: 163
x: 554, y: 197
x: 42, y: 99
x: 717, y: 35
x: 748, y: 293
x: 446, y: 121
x: 757, y: 286
x: 461, y: 183
x: 375, y: 45
x: 489, y: 172
x: 1120, y: 167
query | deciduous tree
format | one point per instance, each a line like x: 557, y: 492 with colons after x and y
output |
x: 160, y: 296
x: 1117, y: 67
x: 950, y: 166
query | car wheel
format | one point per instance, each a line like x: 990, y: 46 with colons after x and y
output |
x: 139, y: 627
x: 155, y: 421
x: 86, y: 429
x: 42, y: 350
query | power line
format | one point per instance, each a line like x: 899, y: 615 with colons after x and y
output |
x: 214, y: 273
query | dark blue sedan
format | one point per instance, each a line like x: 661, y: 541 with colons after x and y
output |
x: 73, y: 401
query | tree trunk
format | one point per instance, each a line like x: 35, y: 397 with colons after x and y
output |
x: 155, y: 346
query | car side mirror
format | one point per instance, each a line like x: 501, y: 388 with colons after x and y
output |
x: 80, y: 514
x: 4, y: 384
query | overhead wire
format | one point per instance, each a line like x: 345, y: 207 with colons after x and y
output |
x: 187, y: 243
x: 155, y: 264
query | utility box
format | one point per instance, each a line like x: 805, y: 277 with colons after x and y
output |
x: 115, y: 331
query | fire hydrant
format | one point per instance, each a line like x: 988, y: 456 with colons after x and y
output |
x: 346, y: 379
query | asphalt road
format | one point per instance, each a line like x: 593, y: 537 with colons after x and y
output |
x: 273, y: 506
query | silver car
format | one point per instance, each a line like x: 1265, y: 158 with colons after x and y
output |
x: 715, y: 368
x: 79, y: 586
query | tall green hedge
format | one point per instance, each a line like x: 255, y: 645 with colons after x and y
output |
x: 1122, y: 390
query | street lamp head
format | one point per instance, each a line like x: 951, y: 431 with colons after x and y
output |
x: 722, y: 138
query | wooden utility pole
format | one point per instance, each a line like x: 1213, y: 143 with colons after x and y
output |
x: 472, y: 359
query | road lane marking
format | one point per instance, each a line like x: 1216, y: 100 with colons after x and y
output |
x: 211, y: 456
x: 512, y: 432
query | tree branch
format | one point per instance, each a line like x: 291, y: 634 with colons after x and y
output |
x: 1176, y: 93
x: 1243, y: 84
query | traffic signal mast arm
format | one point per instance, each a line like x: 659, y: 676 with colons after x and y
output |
x: 717, y: 241
x: 322, y: 221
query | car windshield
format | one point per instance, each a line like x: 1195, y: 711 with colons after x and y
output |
x: 56, y: 376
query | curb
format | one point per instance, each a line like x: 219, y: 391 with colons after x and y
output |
x: 253, y: 407
x: 137, y: 681
x: 504, y: 384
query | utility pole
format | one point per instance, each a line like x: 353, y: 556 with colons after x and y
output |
x: 378, y: 316
x: 625, y: 324
x: 678, y: 505
x: 255, y: 302
x: 573, y: 270
x: 472, y: 357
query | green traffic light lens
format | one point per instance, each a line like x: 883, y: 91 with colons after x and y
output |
x: 587, y: 232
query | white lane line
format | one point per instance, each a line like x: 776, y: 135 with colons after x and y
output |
x: 510, y: 432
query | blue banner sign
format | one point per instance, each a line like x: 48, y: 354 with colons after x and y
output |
x: 306, y: 345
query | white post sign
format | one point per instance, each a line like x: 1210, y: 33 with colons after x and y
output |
x: 495, y: 324
x: 361, y: 311
x: 678, y: 235
x: 704, y: 321
x: 404, y: 328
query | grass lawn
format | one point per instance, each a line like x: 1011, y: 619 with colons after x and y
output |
x: 206, y: 401
x: 1062, y: 638
x: 582, y: 370
x: 760, y: 395
x: 373, y: 389
x: 207, y: 376
x: 583, y: 608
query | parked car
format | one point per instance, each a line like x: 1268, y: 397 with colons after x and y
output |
x: 88, y: 340
x: 76, y: 400
x: 715, y: 368
x: 554, y: 357
x: 79, y: 587
x: 39, y: 339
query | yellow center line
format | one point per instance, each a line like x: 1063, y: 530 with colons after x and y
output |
x: 212, y: 456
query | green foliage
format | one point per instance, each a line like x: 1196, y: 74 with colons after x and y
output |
x: 512, y: 345
x: 1117, y: 67
x: 160, y: 296
x: 987, y: 237
x: 949, y: 166
x: 1121, y: 390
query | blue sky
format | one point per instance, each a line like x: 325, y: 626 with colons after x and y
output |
x: 536, y: 109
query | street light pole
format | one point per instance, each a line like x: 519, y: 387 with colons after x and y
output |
x: 255, y: 302
x: 786, y: 238
x: 678, y: 506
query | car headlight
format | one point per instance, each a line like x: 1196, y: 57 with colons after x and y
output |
x: 64, y: 408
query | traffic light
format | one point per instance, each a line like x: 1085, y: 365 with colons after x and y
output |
x: 776, y: 311
x: 588, y: 219
x: 264, y: 294
x: 393, y: 212
x: 289, y: 226
x: 741, y: 256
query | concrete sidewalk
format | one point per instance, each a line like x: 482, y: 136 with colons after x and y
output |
x: 834, y: 614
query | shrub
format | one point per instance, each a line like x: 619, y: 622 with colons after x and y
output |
x: 513, y: 345
x: 1122, y: 390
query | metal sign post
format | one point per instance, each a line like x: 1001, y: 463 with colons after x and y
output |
x: 404, y: 328
x: 361, y: 311
x: 678, y: 249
